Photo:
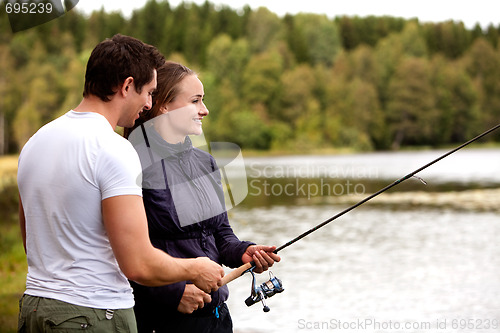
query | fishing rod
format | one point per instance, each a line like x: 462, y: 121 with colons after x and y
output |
x: 399, y: 181
x: 273, y: 286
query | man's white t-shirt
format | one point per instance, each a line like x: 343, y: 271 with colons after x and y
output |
x: 65, y: 170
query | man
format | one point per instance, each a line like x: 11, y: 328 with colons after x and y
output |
x: 81, y: 213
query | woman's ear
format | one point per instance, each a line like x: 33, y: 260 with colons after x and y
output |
x: 163, y: 109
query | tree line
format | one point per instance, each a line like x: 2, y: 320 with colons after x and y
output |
x: 295, y: 83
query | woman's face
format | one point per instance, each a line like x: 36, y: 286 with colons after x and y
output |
x: 186, y: 111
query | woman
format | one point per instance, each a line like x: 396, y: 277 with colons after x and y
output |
x: 184, y: 204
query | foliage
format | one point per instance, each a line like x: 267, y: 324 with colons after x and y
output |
x: 13, y: 268
x: 13, y: 264
x: 299, y: 82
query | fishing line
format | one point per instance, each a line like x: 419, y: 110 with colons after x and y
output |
x: 399, y: 181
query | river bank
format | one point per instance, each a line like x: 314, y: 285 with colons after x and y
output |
x: 484, y: 200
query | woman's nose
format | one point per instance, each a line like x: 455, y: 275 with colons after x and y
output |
x: 204, y: 111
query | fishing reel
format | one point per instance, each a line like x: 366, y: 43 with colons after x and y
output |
x: 265, y: 290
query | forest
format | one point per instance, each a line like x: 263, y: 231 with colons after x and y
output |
x: 297, y: 83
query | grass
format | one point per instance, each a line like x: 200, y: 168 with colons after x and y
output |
x: 13, y: 270
x: 8, y: 170
x: 13, y: 266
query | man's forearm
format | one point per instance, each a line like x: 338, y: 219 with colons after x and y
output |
x: 162, y: 269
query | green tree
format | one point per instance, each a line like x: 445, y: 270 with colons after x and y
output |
x: 75, y: 24
x: 71, y: 82
x: 457, y: 101
x: 321, y: 37
x: 150, y: 21
x: 44, y: 87
x: 102, y: 25
x: 483, y: 65
x: 355, y: 31
x: 388, y: 55
x: 391, y: 51
x: 198, y: 33
x: 353, y: 114
x: 297, y: 94
x: 264, y: 30
x: 413, y: 40
x: 358, y: 63
x: 448, y: 38
x: 171, y: 31
x: 336, y: 90
x: 365, y: 115
x: 221, y: 100
x: 232, y: 121
x: 250, y: 131
x: 228, y: 21
x: 227, y: 59
x: 261, y: 81
x: 492, y: 35
x: 7, y: 102
x: 411, y: 113
x: 348, y: 32
x: 296, y: 40
x: 309, y: 125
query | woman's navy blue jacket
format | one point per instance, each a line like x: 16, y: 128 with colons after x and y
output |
x: 184, y: 203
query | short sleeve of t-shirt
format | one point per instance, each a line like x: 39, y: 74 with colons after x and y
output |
x: 118, y: 170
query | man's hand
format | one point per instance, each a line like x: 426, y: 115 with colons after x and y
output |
x: 262, y: 256
x: 207, y: 274
x: 193, y: 299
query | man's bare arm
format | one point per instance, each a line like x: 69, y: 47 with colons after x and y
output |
x: 125, y: 222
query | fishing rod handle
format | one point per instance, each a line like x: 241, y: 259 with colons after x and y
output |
x: 236, y: 273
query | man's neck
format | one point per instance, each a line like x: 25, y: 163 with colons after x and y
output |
x: 95, y: 104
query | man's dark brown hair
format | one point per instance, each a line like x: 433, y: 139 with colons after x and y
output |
x: 113, y: 60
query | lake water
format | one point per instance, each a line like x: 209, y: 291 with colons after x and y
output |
x: 377, y: 268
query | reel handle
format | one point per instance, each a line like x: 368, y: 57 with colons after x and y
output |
x: 236, y: 273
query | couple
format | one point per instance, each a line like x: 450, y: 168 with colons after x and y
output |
x: 85, y: 220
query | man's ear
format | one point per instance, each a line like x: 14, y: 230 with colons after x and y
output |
x: 127, y: 85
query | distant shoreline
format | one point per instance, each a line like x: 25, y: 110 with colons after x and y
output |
x: 485, y: 200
